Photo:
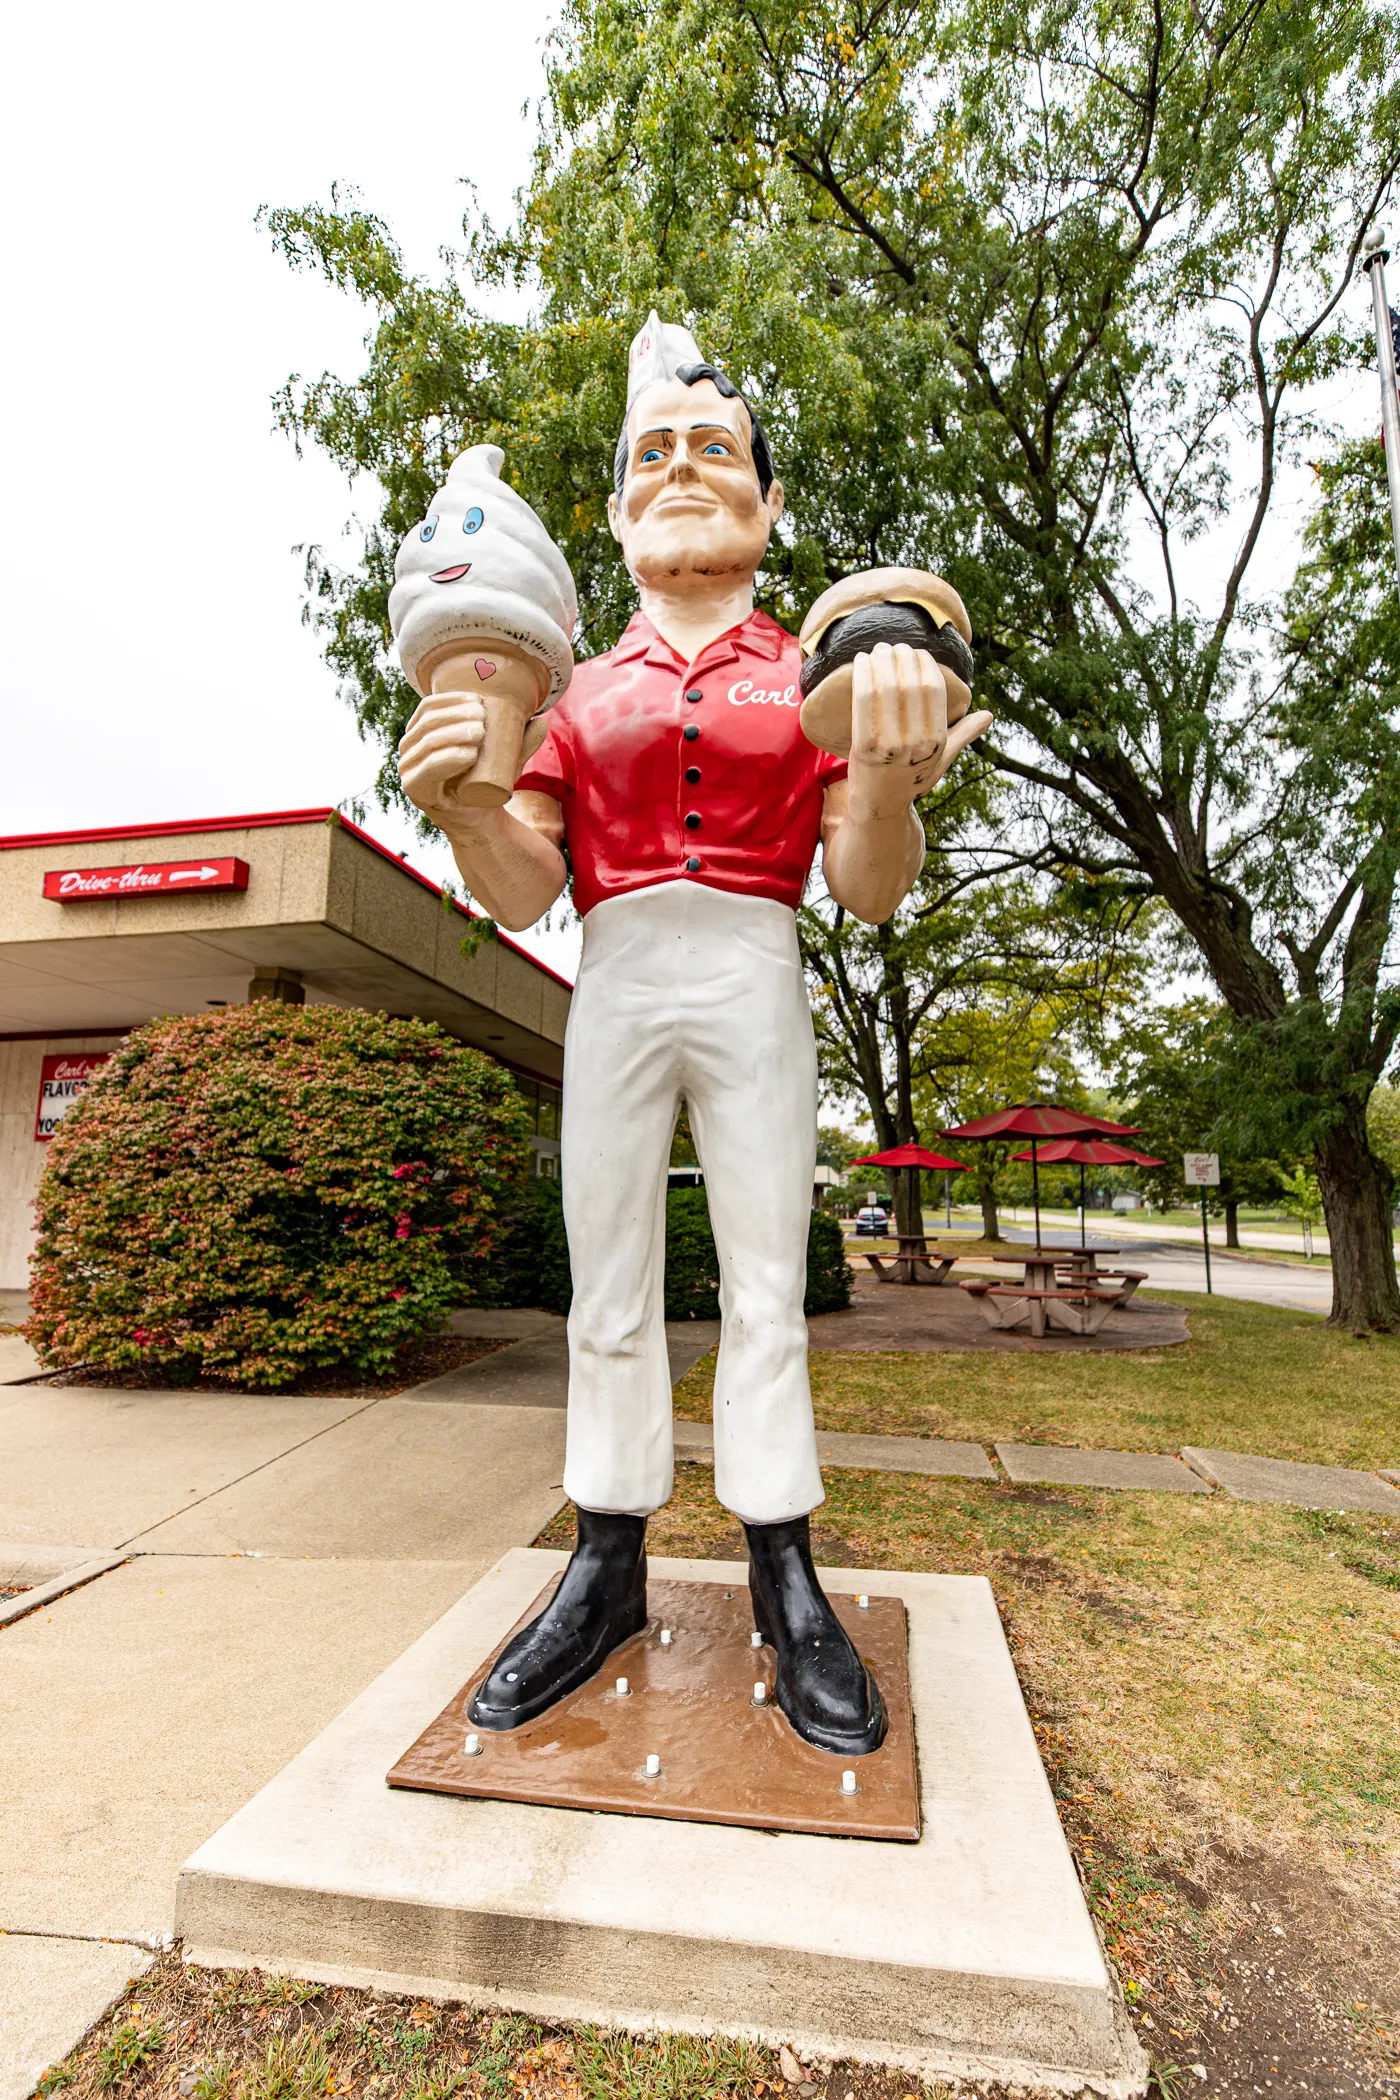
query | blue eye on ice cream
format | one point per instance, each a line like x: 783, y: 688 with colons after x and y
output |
x: 427, y: 529
x: 473, y: 521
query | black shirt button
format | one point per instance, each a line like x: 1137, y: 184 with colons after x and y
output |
x: 695, y: 693
x: 691, y: 731
x: 692, y: 774
x: 692, y: 822
x: 692, y: 866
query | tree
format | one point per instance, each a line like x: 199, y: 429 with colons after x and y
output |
x: 993, y: 1053
x: 901, y: 1009
x: 1027, y: 294
x: 1175, y: 1073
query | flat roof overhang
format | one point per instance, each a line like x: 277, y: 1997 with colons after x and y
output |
x: 323, y: 898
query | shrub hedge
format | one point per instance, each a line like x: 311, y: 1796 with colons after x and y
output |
x: 260, y: 1191
x: 530, y: 1262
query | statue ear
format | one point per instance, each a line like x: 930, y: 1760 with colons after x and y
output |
x: 774, y: 500
x: 614, y: 522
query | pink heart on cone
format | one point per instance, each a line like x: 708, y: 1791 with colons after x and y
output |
x: 485, y: 669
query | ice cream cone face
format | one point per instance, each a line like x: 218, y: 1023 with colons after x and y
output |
x: 482, y: 566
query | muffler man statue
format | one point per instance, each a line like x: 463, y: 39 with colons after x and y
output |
x: 675, y: 771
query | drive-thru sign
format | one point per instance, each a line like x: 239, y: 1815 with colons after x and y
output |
x: 157, y: 878
x: 1202, y: 1170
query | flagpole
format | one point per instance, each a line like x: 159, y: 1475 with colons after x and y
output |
x: 1375, y: 255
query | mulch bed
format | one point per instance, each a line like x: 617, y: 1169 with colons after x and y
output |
x: 427, y: 1357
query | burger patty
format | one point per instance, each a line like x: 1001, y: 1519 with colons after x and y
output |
x: 861, y: 630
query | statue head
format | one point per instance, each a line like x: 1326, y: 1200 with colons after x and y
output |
x: 694, y: 497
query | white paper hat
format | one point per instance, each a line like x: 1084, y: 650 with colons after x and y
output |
x: 658, y: 352
x: 482, y: 565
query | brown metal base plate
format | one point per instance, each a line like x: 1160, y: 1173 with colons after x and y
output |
x: 723, y: 1759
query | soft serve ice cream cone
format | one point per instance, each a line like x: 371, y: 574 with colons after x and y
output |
x: 483, y: 603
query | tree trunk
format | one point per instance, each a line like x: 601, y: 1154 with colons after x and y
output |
x: 908, y: 1204
x: 1357, y: 1192
x: 986, y: 1189
x: 1232, y: 1224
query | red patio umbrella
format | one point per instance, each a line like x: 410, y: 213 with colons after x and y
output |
x: 913, y: 1156
x: 1037, y: 1120
x: 1092, y: 1152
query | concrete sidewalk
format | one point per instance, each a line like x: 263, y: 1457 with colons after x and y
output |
x: 279, y: 1554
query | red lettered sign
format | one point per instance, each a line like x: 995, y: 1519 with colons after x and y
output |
x: 152, y: 878
x: 64, y: 1078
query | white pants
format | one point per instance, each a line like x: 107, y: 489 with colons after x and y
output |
x: 688, y: 993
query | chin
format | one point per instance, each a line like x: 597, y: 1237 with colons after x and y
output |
x: 693, y: 548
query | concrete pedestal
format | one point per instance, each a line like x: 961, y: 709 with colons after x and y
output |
x: 968, y: 1954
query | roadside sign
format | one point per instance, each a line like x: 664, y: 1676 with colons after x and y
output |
x: 1202, y: 1170
x: 161, y: 878
x: 63, y: 1079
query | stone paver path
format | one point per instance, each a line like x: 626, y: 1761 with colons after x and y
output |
x: 872, y: 1454
x: 1151, y: 1470
x: 1251, y: 1479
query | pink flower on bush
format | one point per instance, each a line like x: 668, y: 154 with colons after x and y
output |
x: 402, y: 1228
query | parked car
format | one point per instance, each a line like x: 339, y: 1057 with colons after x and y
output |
x: 872, y: 1222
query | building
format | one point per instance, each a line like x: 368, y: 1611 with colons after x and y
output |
x: 103, y: 929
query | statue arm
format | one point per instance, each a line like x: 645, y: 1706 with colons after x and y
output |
x: 901, y: 746
x: 510, y: 857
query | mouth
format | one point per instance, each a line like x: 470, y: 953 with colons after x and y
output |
x: 451, y: 575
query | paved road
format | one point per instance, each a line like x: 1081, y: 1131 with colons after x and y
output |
x: 1174, y: 1268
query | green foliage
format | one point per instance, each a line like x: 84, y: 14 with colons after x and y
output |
x: 1184, y: 1071
x: 829, y: 1279
x: 692, y: 1265
x: 1383, y: 1126
x: 256, y: 1192
x: 130, y: 2047
x: 1302, y: 1198
x: 529, y: 1265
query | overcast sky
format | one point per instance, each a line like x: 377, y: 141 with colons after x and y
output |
x: 152, y: 659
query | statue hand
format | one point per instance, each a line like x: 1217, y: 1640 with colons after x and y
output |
x: 441, y: 743
x: 901, y: 744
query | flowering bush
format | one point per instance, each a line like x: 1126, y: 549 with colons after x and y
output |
x: 261, y: 1191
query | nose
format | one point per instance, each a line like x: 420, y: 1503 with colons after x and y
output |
x: 682, y: 467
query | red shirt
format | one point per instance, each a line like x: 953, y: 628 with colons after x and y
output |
x: 671, y: 772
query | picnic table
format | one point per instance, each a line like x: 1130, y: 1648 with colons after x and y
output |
x: 1061, y: 1287
x: 912, y: 1263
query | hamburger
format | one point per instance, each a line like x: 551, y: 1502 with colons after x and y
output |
x: 852, y: 618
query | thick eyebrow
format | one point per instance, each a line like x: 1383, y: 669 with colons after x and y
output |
x: 668, y: 430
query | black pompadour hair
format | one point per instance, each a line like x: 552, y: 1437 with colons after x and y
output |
x: 689, y: 375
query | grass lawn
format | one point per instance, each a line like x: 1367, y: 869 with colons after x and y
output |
x: 1215, y: 1684
x: 1251, y: 1378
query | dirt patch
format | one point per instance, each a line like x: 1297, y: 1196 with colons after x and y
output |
x: 427, y: 1357
x: 1278, y: 1978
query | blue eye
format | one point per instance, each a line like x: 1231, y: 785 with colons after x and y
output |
x: 427, y: 528
x: 648, y: 457
x: 472, y: 522
x: 720, y: 449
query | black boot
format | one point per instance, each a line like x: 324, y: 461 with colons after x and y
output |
x: 601, y: 1602
x: 823, y: 1686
